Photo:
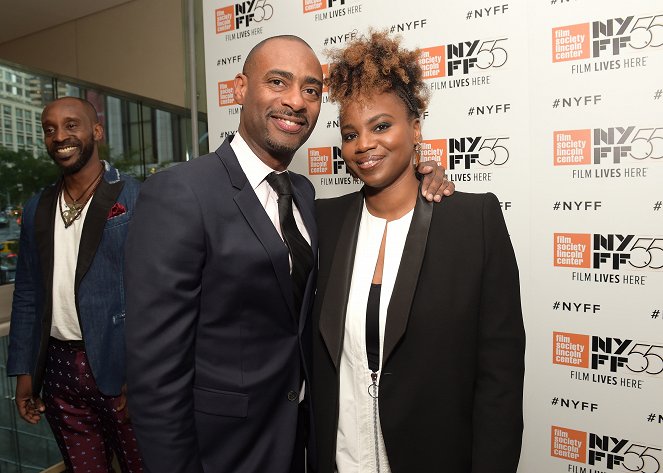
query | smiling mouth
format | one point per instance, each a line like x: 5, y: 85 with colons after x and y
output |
x: 288, y: 124
x: 369, y: 162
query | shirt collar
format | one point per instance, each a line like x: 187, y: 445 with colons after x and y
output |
x: 255, y: 169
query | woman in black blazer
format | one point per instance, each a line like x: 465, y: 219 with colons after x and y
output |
x: 418, y: 333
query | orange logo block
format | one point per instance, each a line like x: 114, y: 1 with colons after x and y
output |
x: 435, y: 150
x: 313, y: 5
x: 571, y: 147
x: 572, y: 250
x: 570, y: 43
x: 568, y: 444
x: 432, y: 63
x: 225, y: 19
x: 571, y: 349
x: 325, y: 74
x: 226, y: 90
x: 319, y: 161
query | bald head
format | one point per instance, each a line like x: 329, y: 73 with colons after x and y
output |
x: 250, y: 58
x: 86, y: 107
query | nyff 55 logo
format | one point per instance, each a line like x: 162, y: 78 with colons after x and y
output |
x: 609, y: 251
x: 457, y: 59
x: 606, y: 38
x: 607, y: 354
x: 472, y: 152
x: 604, y: 451
x: 242, y: 14
x: 613, y: 145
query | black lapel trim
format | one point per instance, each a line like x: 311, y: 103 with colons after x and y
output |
x: 93, y: 228
x: 407, y: 278
x: 44, y: 230
x: 334, y: 305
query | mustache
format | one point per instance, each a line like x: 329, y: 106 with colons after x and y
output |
x: 66, y: 143
x: 289, y: 113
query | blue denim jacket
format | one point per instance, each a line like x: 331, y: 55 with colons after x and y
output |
x: 99, y: 287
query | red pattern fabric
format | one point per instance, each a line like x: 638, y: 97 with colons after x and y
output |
x: 87, y: 427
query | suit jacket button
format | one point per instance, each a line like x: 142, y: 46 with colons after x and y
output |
x: 292, y: 396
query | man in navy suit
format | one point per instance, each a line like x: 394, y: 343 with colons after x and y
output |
x: 217, y: 346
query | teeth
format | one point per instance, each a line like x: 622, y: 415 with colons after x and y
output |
x: 67, y: 149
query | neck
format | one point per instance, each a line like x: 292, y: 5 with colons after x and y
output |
x: 276, y: 162
x: 78, y: 182
x: 391, y: 203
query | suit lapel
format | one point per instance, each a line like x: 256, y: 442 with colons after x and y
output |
x: 334, y: 305
x: 95, y: 221
x: 408, y: 276
x: 262, y: 226
x: 44, y: 228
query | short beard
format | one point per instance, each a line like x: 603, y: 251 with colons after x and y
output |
x: 87, y: 150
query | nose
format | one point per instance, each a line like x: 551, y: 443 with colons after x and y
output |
x: 293, y: 99
x: 60, y: 134
x: 364, y: 142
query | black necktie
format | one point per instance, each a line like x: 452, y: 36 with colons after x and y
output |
x: 300, y: 250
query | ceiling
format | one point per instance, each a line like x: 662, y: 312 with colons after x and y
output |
x: 21, y: 18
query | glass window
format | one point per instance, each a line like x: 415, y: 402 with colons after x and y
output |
x: 9, y: 138
x: 19, y: 126
x: 19, y: 113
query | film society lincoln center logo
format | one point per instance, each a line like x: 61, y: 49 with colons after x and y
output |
x: 607, y: 38
x: 606, y: 452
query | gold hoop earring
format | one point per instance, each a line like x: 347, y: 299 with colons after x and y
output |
x: 416, y: 157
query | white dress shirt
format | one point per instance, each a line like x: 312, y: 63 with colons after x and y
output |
x: 256, y: 171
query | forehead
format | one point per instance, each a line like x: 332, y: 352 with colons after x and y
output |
x: 368, y: 106
x: 287, y: 55
x: 64, y: 109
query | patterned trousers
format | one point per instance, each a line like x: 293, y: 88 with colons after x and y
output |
x: 86, y: 424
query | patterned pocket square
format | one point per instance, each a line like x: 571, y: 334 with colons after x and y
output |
x: 116, y: 210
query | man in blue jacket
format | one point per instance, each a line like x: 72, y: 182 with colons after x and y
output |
x: 67, y: 322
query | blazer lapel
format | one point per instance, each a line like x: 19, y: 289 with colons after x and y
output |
x: 334, y: 305
x: 257, y: 218
x: 408, y: 276
x: 95, y: 221
x: 44, y: 228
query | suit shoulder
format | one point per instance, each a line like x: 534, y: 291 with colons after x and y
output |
x: 299, y: 180
x: 468, y: 201
x: 333, y: 204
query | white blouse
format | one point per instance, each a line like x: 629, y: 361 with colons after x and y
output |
x: 356, y: 444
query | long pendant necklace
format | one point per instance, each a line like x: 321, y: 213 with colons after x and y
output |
x: 75, y: 208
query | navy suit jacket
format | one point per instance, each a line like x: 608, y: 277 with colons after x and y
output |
x: 216, y: 352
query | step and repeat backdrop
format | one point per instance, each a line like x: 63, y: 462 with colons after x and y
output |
x: 555, y: 106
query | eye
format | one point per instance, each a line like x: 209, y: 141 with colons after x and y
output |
x: 312, y: 91
x: 277, y: 82
x: 71, y: 125
x: 348, y: 136
x: 48, y: 131
x: 382, y: 126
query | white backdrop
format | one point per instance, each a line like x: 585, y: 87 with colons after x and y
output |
x: 556, y: 107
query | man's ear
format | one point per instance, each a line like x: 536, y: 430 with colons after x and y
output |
x: 239, y: 87
x: 98, y: 132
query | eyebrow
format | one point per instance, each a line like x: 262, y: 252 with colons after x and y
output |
x: 291, y: 76
x: 373, y: 119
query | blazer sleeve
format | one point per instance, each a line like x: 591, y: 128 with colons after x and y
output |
x: 23, y: 336
x: 164, y: 258
x: 498, y: 420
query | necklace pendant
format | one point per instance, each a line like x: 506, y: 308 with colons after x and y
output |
x: 74, y: 206
x: 69, y: 216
